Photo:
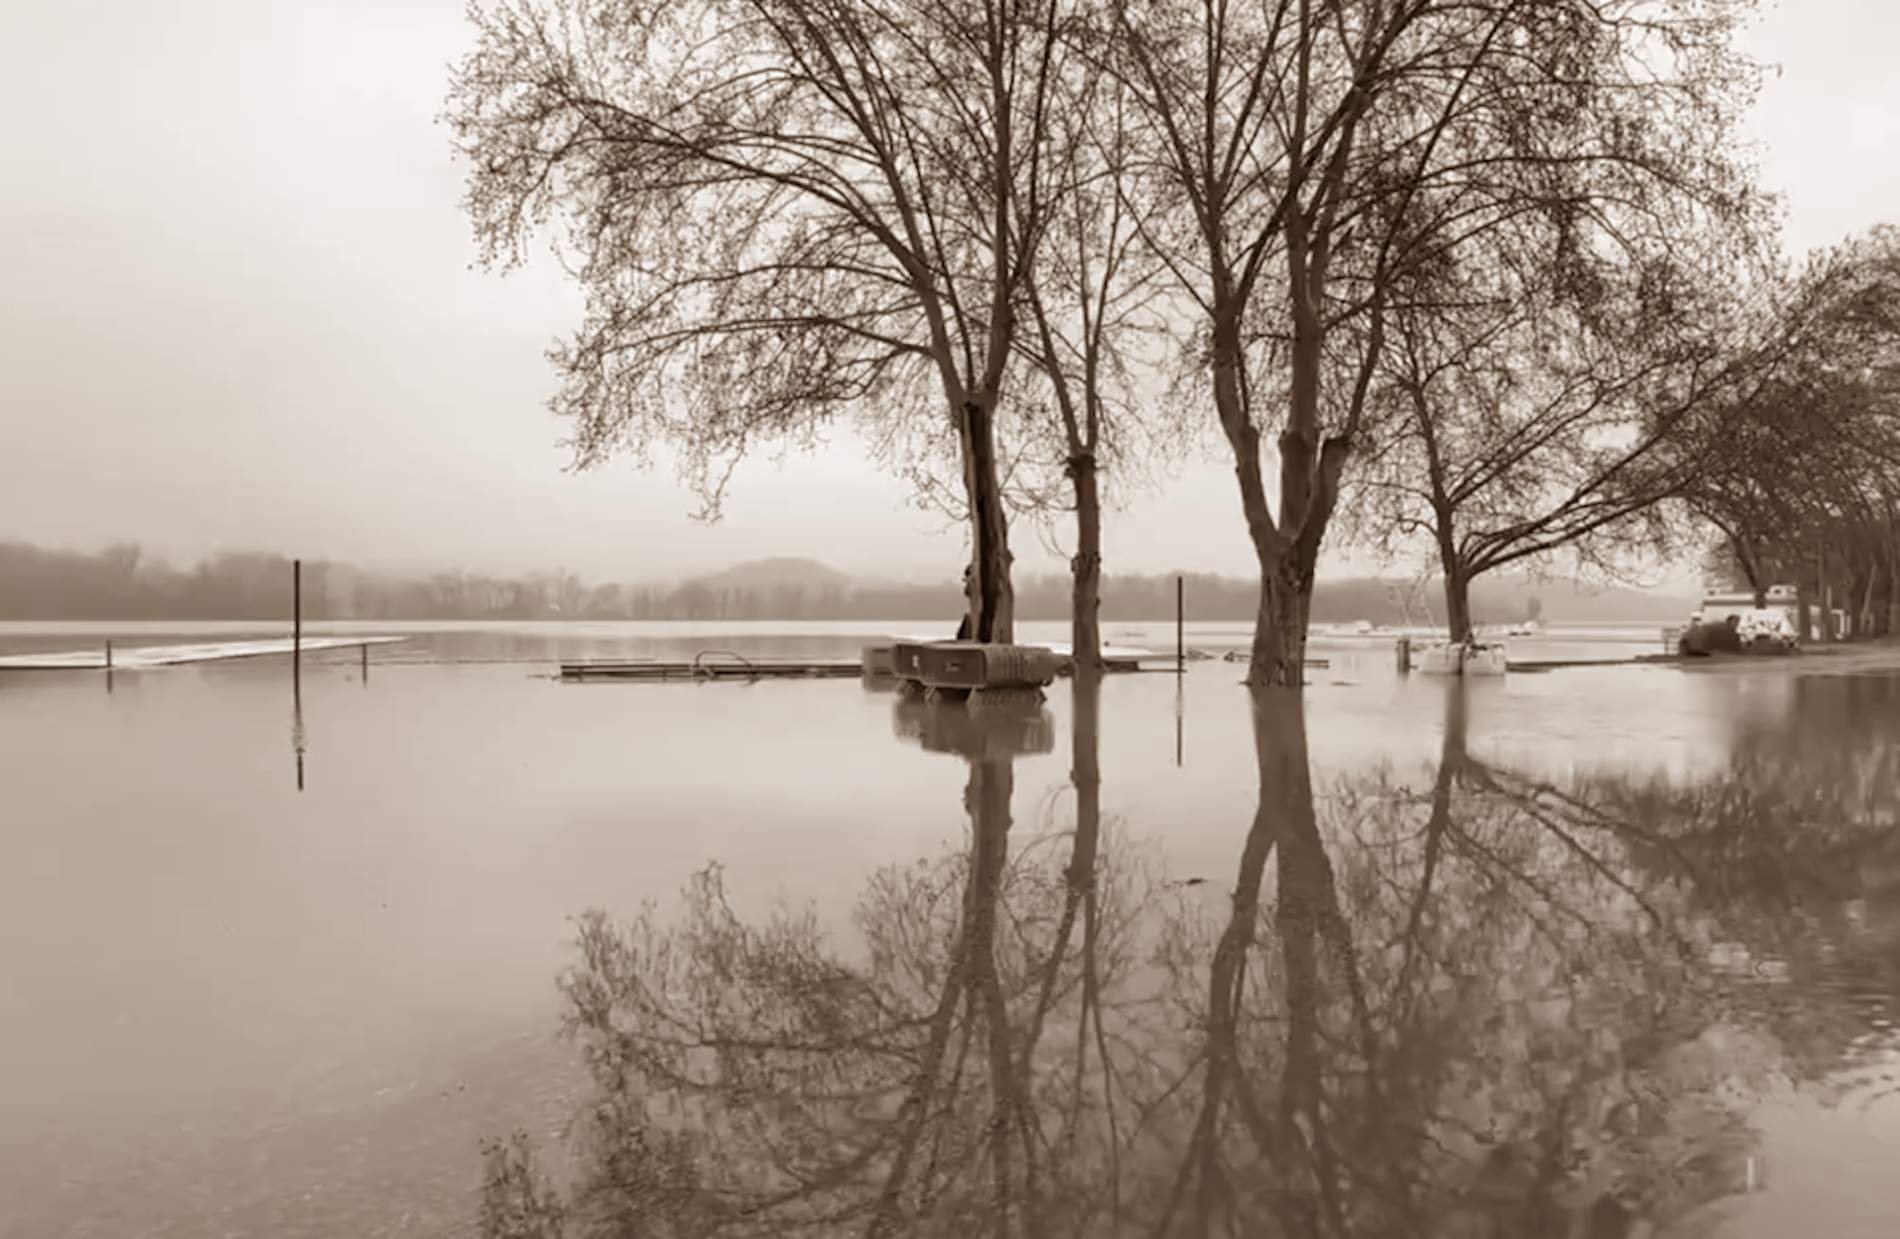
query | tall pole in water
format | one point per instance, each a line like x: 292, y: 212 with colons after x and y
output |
x: 1180, y: 666
x: 1180, y: 639
x: 296, y: 665
x: 296, y: 627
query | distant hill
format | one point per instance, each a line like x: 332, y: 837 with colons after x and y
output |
x: 780, y: 573
x: 794, y: 588
x: 122, y: 583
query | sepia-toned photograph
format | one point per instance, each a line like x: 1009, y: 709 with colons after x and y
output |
x: 950, y: 619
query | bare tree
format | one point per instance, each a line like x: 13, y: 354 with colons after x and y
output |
x: 781, y: 211
x: 1801, y: 478
x: 1516, y: 417
x: 1092, y: 299
x: 1344, y: 142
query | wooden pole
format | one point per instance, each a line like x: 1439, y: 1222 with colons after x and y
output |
x: 108, y: 666
x: 1180, y: 716
x: 365, y: 650
x: 1180, y: 638
x: 296, y: 627
x: 296, y: 665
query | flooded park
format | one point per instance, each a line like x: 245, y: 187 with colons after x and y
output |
x: 1598, y: 951
x: 950, y: 619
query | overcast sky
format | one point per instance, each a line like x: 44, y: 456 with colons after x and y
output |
x: 236, y: 307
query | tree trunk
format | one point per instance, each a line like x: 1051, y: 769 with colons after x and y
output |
x: 1803, y: 610
x: 1279, y: 633
x: 1279, y: 604
x: 1751, y: 569
x: 1286, y: 594
x: 1458, y: 606
x: 1864, y: 617
x: 1826, y: 596
x: 992, y: 603
x: 1085, y: 623
x: 1457, y: 582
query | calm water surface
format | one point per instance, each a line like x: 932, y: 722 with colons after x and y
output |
x: 1610, y: 947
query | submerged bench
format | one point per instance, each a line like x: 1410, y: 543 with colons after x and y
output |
x: 977, y: 670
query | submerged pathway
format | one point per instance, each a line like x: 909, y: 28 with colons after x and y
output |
x: 139, y: 657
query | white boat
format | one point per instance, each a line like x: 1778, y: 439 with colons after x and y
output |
x: 1474, y: 658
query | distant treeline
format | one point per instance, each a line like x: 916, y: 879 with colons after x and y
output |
x: 122, y: 583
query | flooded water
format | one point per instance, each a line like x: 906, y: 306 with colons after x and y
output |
x: 1610, y: 951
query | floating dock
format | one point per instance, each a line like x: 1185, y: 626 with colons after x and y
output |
x: 728, y: 665
x: 712, y: 667
x: 142, y: 657
x: 1246, y: 656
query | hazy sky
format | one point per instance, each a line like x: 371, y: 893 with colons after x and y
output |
x: 236, y: 308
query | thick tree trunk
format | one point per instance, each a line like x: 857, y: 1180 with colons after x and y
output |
x: 1085, y: 623
x: 1804, y: 611
x: 992, y: 603
x: 1279, y: 603
x: 1279, y: 634
x: 1751, y: 569
x: 1286, y: 551
x: 1286, y: 595
x: 1825, y: 593
x: 1457, y: 583
x: 1458, y: 606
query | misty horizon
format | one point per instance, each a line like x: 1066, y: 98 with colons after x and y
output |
x: 122, y: 584
x: 279, y: 340
x: 1343, y: 570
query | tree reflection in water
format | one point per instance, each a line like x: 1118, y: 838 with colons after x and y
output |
x: 1488, y: 1007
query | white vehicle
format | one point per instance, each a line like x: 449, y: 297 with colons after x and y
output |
x: 1766, y: 628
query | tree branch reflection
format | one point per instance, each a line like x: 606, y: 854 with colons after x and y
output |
x: 1494, y: 1006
